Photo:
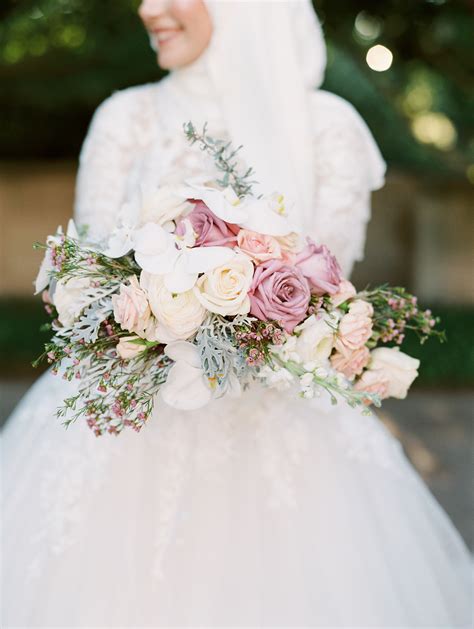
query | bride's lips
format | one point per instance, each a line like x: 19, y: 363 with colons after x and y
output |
x: 164, y: 36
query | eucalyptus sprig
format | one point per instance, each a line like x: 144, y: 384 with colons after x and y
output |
x: 224, y: 156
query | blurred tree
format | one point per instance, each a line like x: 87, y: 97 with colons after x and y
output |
x: 60, y: 58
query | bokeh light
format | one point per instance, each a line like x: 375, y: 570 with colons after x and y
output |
x: 434, y: 128
x: 379, y: 58
x: 367, y: 27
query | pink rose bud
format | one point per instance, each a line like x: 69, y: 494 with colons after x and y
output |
x: 257, y: 246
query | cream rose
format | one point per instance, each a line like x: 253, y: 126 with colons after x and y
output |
x: 316, y: 339
x: 131, y: 308
x: 345, y: 291
x: 178, y: 315
x: 398, y: 368
x: 70, y: 298
x: 224, y: 290
x: 129, y: 347
x: 355, y: 328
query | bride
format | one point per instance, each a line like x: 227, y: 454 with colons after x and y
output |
x: 263, y: 511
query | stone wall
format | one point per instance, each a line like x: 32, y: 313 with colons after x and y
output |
x: 421, y: 234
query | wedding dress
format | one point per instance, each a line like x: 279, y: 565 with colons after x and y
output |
x: 262, y: 511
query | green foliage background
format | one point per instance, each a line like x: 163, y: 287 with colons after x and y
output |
x: 60, y: 58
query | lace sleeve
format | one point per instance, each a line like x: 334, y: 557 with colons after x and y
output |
x: 348, y: 167
x: 104, y: 161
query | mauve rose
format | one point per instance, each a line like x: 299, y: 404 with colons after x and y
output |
x: 320, y: 268
x: 210, y: 230
x: 279, y: 292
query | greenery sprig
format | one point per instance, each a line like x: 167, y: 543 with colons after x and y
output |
x: 224, y: 157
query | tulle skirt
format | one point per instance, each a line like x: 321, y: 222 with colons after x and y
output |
x: 262, y: 511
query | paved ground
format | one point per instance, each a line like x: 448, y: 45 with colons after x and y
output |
x: 435, y: 428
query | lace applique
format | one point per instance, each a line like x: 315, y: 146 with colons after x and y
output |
x: 68, y: 463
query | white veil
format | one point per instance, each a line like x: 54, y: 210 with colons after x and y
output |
x: 264, y: 58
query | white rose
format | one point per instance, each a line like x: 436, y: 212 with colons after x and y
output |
x: 398, y: 368
x: 178, y: 315
x: 70, y: 298
x: 316, y: 339
x: 224, y: 290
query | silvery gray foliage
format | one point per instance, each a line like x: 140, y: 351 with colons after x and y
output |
x: 88, y: 325
x: 219, y: 356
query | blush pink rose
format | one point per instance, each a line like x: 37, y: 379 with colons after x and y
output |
x: 259, y: 247
x: 355, y: 327
x: 280, y: 293
x: 320, y: 268
x: 131, y: 308
x: 346, y: 290
x: 351, y: 363
x: 210, y: 230
x: 373, y: 382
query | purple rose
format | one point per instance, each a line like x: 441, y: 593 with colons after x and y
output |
x: 320, y: 268
x: 280, y: 293
x: 210, y: 230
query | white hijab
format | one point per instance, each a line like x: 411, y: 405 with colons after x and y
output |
x: 264, y: 60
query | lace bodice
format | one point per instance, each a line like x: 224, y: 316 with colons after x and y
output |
x: 136, y: 138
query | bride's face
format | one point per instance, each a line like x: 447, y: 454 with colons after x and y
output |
x: 180, y: 30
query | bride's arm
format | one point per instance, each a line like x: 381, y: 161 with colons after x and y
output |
x: 104, y: 161
x: 348, y: 167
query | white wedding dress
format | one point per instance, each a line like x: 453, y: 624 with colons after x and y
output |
x: 263, y: 511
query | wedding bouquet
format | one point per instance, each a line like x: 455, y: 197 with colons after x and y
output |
x: 203, y: 288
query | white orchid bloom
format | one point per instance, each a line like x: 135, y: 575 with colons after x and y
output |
x: 120, y: 242
x: 161, y: 253
x: 225, y: 204
x: 186, y: 387
x: 46, y: 267
x: 265, y: 216
x: 155, y: 249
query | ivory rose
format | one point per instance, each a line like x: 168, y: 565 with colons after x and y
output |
x: 320, y: 268
x: 355, y: 327
x: 70, y: 298
x: 131, y: 307
x: 316, y: 338
x: 279, y: 292
x: 351, y: 363
x: 224, y: 290
x: 346, y: 290
x: 257, y: 246
x: 129, y: 347
x: 178, y: 315
x: 397, y: 367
